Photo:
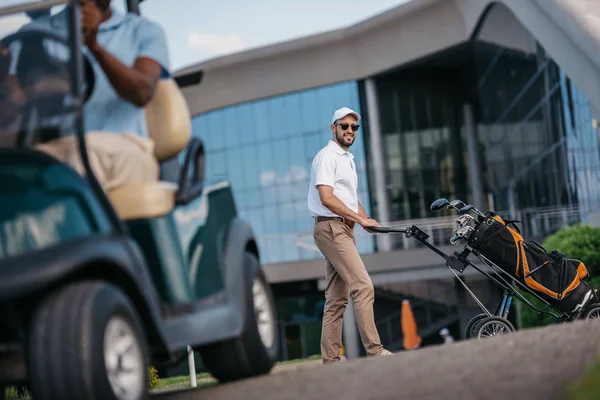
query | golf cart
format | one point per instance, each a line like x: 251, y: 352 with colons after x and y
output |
x: 96, y: 286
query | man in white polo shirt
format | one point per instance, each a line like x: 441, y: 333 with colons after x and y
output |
x: 333, y: 202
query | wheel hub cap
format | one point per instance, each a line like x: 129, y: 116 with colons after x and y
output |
x: 493, y: 329
x: 264, y: 313
x: 123, y: 360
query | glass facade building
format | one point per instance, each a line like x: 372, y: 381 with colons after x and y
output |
x: 265, y: 149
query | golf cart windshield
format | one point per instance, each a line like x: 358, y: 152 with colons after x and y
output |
x: 37, y: 100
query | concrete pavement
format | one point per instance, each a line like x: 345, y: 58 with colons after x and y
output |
x: 529, y: 364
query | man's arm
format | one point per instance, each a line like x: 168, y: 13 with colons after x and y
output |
x: 135, y: 84
x: 329, y: 200
x: 361, y: 211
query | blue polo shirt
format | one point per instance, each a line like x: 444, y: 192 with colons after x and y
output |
x: 127, y: 37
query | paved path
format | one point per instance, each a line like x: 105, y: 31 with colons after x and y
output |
x: 528, y: 364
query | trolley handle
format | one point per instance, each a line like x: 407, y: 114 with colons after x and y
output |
x: 384, y: 229
x: 412, y: 231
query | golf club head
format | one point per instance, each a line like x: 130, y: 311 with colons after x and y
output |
x: 466, y: 209
x: 472, y: 208
x: 457, y: 204
x: 439, y: 204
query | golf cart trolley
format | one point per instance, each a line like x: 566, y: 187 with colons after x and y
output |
x: 95, y: 286
x: 517, y: 266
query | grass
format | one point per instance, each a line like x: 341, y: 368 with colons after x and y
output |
x: 179, y: 382
x: 588, y: 388
x: 203, y: 379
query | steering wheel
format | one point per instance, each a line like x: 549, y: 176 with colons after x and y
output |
x: 43, y: 70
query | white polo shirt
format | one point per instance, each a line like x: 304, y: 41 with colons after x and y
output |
x: 333, y: 166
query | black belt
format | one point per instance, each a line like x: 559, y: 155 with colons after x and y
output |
x: 349, y: 223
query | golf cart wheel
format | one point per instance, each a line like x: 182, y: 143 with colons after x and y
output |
x: 86, y: 341
x: 472, y: 324
x: 593, y: 312
x: 255, y: 351
x: 492, y: 326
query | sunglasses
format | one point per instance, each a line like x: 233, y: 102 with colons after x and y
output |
x: 345, y: 126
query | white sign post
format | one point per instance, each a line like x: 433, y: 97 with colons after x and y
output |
x: 192, y: 364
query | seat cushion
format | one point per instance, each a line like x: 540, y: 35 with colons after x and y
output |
x: 143, y: 200
x: 168, y: 120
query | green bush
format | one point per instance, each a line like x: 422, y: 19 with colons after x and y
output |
x: 580, y: 242
x: 14, y: 392
x: 153, y: 380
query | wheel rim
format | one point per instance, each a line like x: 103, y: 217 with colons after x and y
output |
x: 593, y: 313
x: 264, y: 314
x: 493, y: 328
x: 123, y: 360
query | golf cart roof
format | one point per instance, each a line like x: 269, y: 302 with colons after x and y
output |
x: 16, y: 6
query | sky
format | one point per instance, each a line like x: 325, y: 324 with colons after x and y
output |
x: 198, y: 30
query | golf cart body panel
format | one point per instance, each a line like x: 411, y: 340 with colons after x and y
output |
x: 46, y: 203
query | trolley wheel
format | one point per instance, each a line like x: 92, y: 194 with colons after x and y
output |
x: 593, y: 312
x: 472, y: 324
x: 493, y: 326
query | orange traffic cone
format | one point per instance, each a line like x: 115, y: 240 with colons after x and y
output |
x: 409, y: 327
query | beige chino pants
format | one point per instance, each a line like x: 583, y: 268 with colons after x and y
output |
x: 345, y: 274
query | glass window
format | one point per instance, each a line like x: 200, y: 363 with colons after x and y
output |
x: 518, y: 90
x: 297, y: 157
x: 277, y: 117
x: 35, y: 80
x: 214, y: 128
x: 218, y: 165
x: 261, y: 121
x: 235, y: 172
x: 231, y: 127
x: 246, y: 132
x: 250, y: 167
x: 280, y: 156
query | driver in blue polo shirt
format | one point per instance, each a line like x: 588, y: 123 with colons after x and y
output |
x: 129, y: 55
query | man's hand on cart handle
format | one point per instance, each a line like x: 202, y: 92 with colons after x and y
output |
x: 368, y: 223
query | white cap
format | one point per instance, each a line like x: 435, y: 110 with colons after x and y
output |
x: 342, y: 112
x: 444, y: 331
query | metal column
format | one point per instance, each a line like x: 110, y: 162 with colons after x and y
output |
x: 473, y: 153
x: 384, y: 242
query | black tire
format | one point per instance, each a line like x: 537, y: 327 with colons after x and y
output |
x: 485, y: 325
x: 592, y: 312
x: 472, y: 324
x: 247, y: 355
x: 67, y: 344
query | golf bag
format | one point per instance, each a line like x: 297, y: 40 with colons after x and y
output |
x: 553, y: 276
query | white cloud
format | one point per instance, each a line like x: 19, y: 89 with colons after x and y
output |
x: 294, y: 174
x: 215, y: 44
x: 268, y: 178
